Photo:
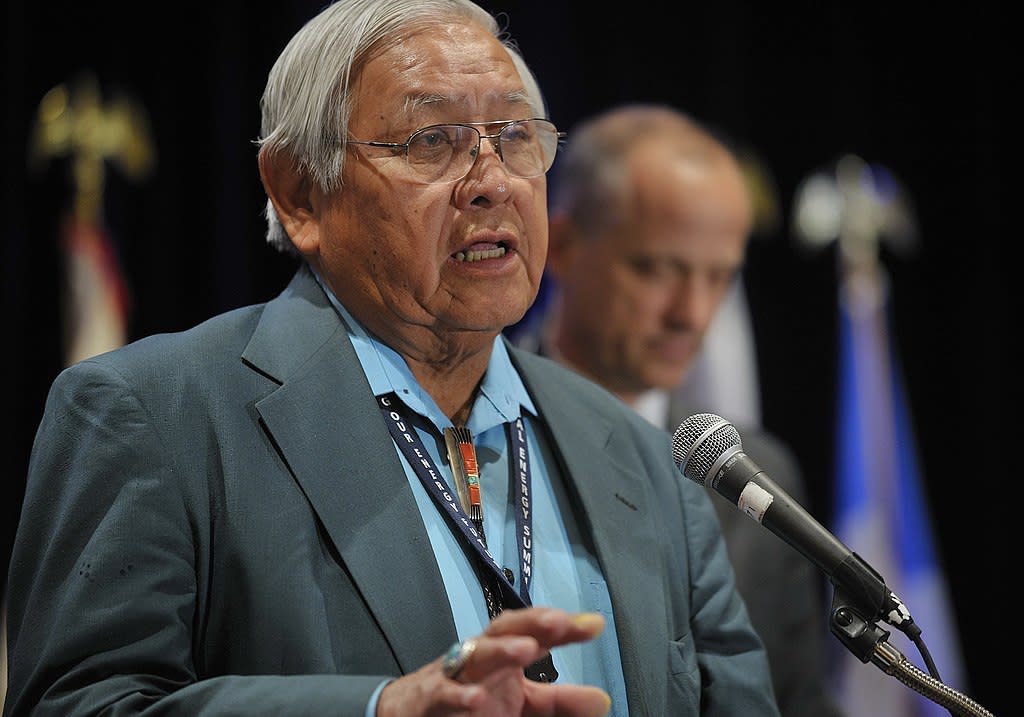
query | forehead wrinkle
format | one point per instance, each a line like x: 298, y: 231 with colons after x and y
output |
x: 428, y: 101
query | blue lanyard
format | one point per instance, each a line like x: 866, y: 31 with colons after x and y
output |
x: 519, y: 460
x: 405, y: 436
x: 412, y: 448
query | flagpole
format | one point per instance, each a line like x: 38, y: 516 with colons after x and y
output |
x: 880, y: 511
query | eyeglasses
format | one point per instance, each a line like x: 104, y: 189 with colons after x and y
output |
x: 446, y: 152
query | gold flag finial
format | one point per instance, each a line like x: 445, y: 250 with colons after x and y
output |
x: 73, y: 121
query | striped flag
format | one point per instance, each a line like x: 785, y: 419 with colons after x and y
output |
x: 881, y: 510
x: 96, y: 300
x: 73, y: 121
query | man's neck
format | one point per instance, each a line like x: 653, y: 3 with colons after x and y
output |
x: 652, y: 404
x: 451, y: 378
x: 448, y: 364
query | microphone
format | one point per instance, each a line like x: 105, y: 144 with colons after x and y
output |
x: 707, y: 448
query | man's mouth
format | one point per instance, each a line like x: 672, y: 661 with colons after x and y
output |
x: 471, y: 255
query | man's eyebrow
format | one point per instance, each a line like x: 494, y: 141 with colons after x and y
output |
x: 416, y: 102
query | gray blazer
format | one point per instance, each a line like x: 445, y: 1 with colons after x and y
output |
x: 216, y: 522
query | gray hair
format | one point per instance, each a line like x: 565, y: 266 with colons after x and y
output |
x: 590, y: 183
x: 306, y: 104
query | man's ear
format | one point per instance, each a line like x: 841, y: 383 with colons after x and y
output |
x: 291, y: 193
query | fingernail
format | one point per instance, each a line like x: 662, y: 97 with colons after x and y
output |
x: 590, y: 621
x: 607, y: 707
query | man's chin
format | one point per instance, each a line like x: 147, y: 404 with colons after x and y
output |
x: 666, y: 380
x: 485, y: 322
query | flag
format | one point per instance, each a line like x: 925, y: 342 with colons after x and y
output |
x: 881, y: 510
x: 96, y: 294
x: 74, y: 121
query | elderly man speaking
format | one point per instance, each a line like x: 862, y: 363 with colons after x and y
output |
x: 357, y: 499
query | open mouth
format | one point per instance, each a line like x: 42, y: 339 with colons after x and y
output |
x: 471, y: 255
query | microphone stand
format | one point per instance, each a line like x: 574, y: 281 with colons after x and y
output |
x: 867, y: 641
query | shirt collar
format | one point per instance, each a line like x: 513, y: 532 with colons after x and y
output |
x: 653, y: 405
x: 501, y: 397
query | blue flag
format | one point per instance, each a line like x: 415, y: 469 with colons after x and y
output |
x: 881, y: 511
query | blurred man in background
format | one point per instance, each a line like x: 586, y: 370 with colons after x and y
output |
x: 650, y: 221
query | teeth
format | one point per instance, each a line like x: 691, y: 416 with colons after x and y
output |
x: 478, y: 255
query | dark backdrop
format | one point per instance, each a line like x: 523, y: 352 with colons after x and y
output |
x: 927, y: 93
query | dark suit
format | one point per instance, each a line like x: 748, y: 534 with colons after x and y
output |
x: 216, y: 522
x: 783, y: 591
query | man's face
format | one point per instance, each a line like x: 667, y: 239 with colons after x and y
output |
x: 639, y: 297
x: 392, y: 248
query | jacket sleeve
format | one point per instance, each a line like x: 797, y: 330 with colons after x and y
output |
x: 734, y: 673
x: 105, y: 599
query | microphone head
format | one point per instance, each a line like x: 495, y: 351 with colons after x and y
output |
x: 701, y: 442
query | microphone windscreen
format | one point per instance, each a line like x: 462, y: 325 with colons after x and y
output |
x: 700, y: 441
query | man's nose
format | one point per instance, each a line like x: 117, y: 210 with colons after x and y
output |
x: 692, y: 304
x: 488, y: 181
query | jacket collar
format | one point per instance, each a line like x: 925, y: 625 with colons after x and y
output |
x: 324, y: 420
x: 301, y: 344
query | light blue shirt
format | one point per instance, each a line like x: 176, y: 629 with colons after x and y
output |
x: 566, y: 573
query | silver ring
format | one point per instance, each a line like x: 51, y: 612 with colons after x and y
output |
x: 456, y: 658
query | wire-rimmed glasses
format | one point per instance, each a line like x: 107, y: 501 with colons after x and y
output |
x: 446, y: 152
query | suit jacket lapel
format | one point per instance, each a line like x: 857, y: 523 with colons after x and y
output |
x: 618, y: 506
x: 327, y: 425
x: 325, y: 420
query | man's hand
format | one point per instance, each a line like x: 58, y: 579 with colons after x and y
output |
x: 491, y: 683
